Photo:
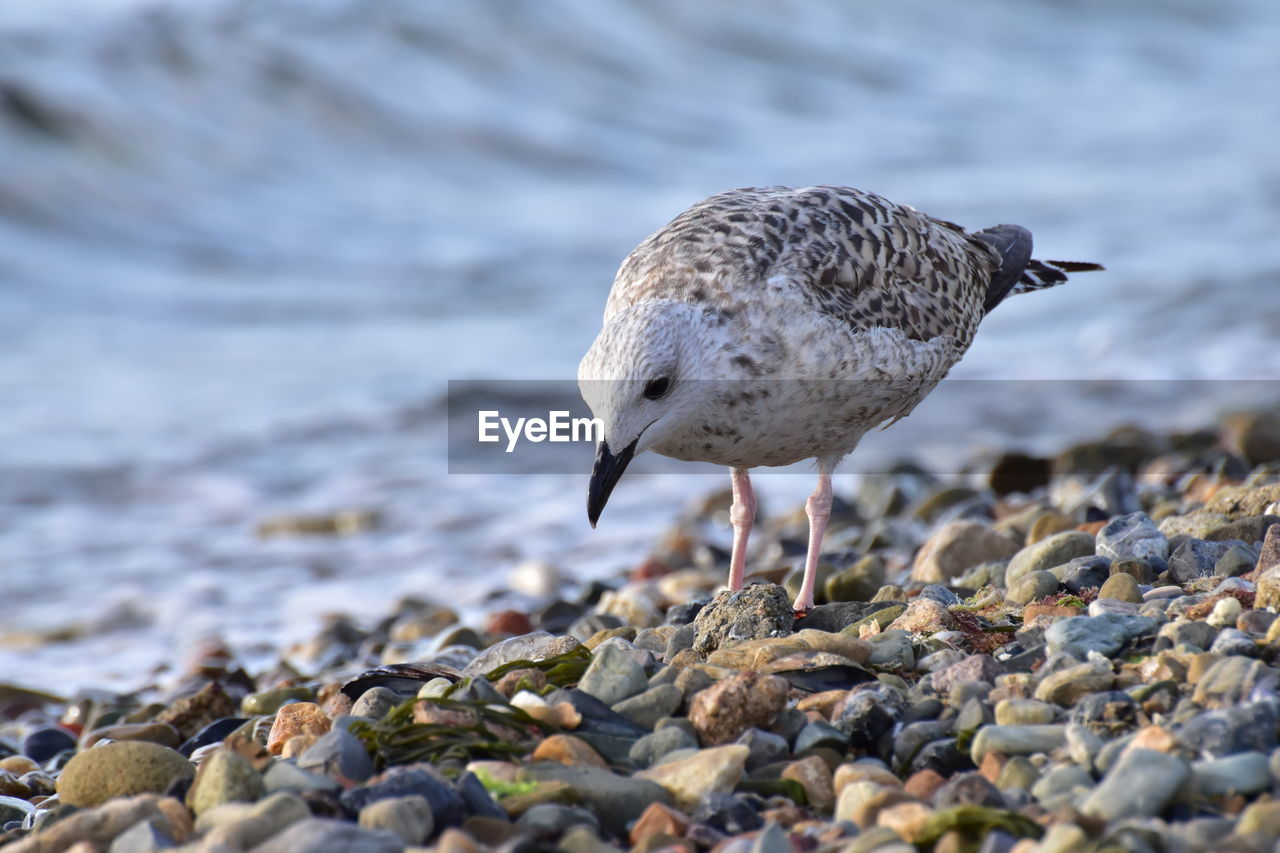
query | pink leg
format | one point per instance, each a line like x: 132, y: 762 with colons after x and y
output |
x: 818, y: 508
x: 742, y: 514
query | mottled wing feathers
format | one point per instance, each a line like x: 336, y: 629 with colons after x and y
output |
x: 853, y: 255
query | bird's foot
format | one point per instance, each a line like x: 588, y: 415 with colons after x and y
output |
x: 801, y: 612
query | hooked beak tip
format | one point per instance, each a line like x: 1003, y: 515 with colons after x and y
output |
x: 605, y: 473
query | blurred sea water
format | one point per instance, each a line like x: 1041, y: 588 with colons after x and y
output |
x: 244, y: 245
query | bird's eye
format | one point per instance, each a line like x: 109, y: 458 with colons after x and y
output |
x: 656, y: 388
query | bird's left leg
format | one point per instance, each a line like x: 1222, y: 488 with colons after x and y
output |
x: 741, y: 515
x: 818, y: 508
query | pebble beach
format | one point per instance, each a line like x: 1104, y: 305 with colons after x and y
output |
x: 1065, y: 653
x: 248, y: 247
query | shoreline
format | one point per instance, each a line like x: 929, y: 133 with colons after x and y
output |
x: 1066, y: 651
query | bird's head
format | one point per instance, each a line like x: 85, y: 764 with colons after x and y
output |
x: 639, y: 380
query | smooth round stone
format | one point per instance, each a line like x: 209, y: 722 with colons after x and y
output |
x: 1084, y: 573
x: 1067, y: 686
x: 1235, y: 562
x: 763, y: 747
x: 650, y: 749
x: 161, y: 733
x: 1256, y: 622
x: 1231, y: 641
x: 1247, y: 728
x: 1234, y: 585
x: 537, y: 646
x: 225, y: 777
x: 966, y: 691
x: 1103, y: 634
x: 327, y: 834
x: 463, y: 635
x: 375, y: 703
x: 1121, y: 587
x: 973, y: 715
x: 646, y: 708
x: 1261, y: 818
x: 536, y: 579
x: 1044, y: 555
x: 820, y: 735
x: 654, y: 639
x: 1111, y: 607
x: 1061, y: 785
x: 1163, y: 592
x: 42, y: 744
x: 549, y: 821
x: 1017, y: 740
x: 858, y: 582
x: 613, y: 675
x: 1032, y: 587
x: 434, y: 689
x: 1024, y: 712
x: 119, y: 769
x: 1245, y: 773
x: 1047, y: 524
x: 408, y: 818
x: 1018, y: 772
x: 339, y: 755
x: 270, y: 701
x: 1082, y: 744
x: 892, y: 650
x: 1142, y: 783
x: 1230, y: 681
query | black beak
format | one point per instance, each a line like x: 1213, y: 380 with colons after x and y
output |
x: 604, y: 476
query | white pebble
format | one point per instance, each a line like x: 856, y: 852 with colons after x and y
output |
x: 1225, y: 613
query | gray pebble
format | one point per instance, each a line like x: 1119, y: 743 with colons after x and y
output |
x: 1061, y: 785
x: 613, y: 675
x: 646, y: 708
x: 337, y: 754
x: 1243, y: 773
x: 1103, y: 634
x: 1017, y: 740
x: 1132, y: 536
x: 1032, y: 586
x: 650, y: 748
x: 1195, y: 558
x: 409, y: 818
x: 1141, y: 784
x: 325, y: 834
x: 374, y: 703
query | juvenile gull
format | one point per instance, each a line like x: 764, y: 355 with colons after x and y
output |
x: 764, y: 326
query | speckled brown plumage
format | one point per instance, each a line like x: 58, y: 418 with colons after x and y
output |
x: 861, y: 258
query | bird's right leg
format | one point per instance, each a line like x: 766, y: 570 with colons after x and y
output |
x: 741, y: 515
x: 818, y: 508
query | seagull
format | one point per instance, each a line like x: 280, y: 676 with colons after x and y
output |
x: 768, y: 325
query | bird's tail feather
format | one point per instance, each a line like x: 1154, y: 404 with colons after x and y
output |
x: 1019, y: 272
x: 1041, y: 274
